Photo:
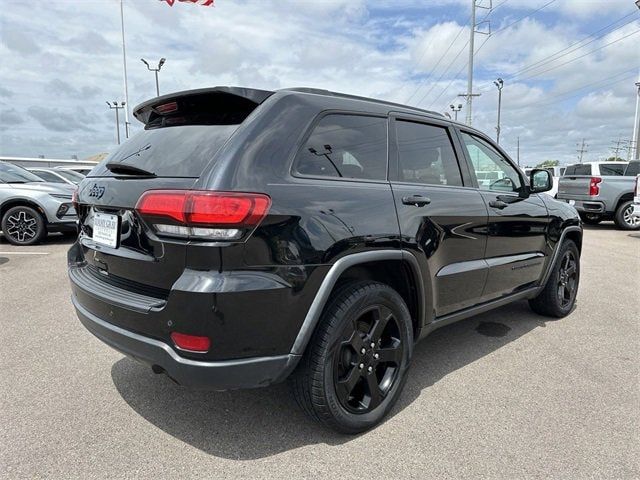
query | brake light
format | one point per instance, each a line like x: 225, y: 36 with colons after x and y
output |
x: 637, y: 185
x: 74, y: 199
x: 166, y: 108
x: 594, y: 186
x: 191, y: 343
x: 203, y: 214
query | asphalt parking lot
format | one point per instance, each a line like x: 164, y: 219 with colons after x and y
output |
x: 506, y: 394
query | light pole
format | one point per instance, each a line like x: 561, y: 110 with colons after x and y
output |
x: 114, y: 106
x: 456, y: 109
x: 500, y: 84
x: 155, y: 70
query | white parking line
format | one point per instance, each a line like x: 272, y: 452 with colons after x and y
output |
x: 24, y: 253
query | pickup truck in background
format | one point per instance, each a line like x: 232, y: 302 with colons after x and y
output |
x: 602, y: 191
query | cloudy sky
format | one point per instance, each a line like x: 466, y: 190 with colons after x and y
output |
x: 569, y: 66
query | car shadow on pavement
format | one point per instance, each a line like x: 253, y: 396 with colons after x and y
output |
x: 251, y: 424
x: 51, y: 239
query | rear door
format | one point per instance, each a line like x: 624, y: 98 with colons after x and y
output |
x: 443, y: 219
x: 179, y: 141
x: 518, y: 224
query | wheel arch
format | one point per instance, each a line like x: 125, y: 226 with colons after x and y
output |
x: 26, y: 202
x: 625, y: 197
x: 396, y: 268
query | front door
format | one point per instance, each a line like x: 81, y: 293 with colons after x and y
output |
x: 442, y: 218
x: 517, y: 221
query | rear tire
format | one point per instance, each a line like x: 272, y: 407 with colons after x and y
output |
x: 23, y: 225
x: 558, y: 297
x: 590, y: 218
x: 355, y: 365
x: 623, y: 217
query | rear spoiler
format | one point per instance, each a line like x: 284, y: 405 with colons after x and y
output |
x: 217, y: 105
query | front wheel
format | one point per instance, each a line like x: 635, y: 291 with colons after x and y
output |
x: 624, y: 217
x: 559, y: 294
x: 23, y: 225
x: 355, y: 366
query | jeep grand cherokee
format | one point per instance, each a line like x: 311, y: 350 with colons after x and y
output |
x: 245, y: 237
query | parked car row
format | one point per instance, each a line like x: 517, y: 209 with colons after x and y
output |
x: 602, y: 191
x: 31, y: 207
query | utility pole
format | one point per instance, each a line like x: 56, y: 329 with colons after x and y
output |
x: 114, y: 106
x: 518, y: 152
x: 616, y: 149
x: 469, y: 95
x: 636, y: 125
x: 155, y: 70
x: 500, y: 84
x: 124, y: 74
x: 456, y: 109
x: 582, y: 150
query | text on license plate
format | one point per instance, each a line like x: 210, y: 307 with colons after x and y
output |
x: 105, y: 229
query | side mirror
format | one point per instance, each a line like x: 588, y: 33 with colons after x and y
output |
x: 540, y: 180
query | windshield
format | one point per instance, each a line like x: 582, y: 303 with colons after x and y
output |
x: 13, y: 174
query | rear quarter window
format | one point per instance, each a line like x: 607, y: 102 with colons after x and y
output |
x: 612, y: 168
x: 345, y: 146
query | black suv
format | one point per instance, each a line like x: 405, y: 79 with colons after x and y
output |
x: 247, y: 236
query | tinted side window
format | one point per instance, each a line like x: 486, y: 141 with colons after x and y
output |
x: 493, y: 171
x: 48, y: 177
x: 426, y: 155
x: 612, y: 168
x: 633, y: 169
x: 348, y: 146
x: 580, y: 169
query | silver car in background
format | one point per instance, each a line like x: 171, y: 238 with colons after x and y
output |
x: 30, y: 208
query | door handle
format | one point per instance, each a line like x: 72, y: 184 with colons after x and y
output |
x: 416, y: 200
x: 499, y: 204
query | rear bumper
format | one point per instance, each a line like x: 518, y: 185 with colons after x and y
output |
x: 586, y: 206
x: 218, y: 375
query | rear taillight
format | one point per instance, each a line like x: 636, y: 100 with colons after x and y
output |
x: 203, y: 214
x: 594, y: 186
x: 637, y: 194
x: 191, y: 343
x: 74, y: 199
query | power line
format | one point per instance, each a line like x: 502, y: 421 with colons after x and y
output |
x: 550, y: 59
x: 526, y: 16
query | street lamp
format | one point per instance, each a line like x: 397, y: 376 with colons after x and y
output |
x: 155, y: 71
x: 499, y: 83
x: 456, y: 109
x: 114, y: 106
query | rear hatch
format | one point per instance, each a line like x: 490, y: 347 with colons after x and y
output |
x: 575, y: 183
x: 182, y: 134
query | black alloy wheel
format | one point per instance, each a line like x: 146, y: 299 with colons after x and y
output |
x: 368, y: 360
x: 354, y: 368
x: 558, y: 296
x: 567, y: 279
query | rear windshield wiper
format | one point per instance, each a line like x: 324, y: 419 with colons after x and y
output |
x: 124, y: 169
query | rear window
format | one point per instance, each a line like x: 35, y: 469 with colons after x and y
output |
x: 181, y: 151
x: 345, y: 146
x: 612, y: 168
x: 580, y: 169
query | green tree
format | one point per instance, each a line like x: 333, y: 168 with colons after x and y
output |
x: 548, y: 163
x: 615, y: 159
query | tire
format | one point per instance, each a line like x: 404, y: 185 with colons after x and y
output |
x: 333, y: 382
x: 558, y: 297
x: 23, y: 225
x: 623, y: 217
x: 590, y: 218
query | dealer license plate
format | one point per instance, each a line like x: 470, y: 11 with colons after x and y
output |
x: 105, y: 229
